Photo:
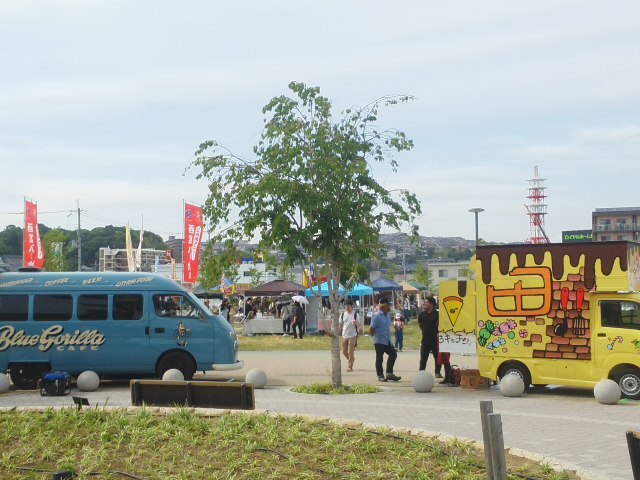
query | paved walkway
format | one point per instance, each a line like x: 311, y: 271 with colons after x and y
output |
x: 563, y: 424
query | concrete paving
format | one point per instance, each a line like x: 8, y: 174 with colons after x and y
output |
x: 565, y: 425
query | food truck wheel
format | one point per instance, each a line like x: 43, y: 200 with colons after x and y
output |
x: 517, y: 369
x: 25, y: 376
x: 177, y: 360
x: 629, y: 380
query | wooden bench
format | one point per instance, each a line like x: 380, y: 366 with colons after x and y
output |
x: 233, y: 395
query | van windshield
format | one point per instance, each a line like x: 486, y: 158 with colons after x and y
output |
x: 176, y: 305
x: 200, y: 303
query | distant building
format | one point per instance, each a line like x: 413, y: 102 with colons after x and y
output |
x: 174, y: 245
x: 10, y: 263
x: 616, y: 224
x: 442, y: 270
x: 115, y: 259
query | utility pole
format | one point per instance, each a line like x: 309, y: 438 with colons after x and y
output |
x: 79, y: 239
x: 404, y: 264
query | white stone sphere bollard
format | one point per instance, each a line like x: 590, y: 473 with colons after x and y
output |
x: 173, y: 375
x: 4, y: 383
x: 88, y: 381
x: 511, y: 385
x: 607, y: 392
x: 423, y: 382
x: 257, y: 377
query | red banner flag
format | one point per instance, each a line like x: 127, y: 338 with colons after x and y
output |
x: 32, y: 252
x: 193, y: 228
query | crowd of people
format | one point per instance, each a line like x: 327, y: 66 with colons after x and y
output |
x: 381, y: 324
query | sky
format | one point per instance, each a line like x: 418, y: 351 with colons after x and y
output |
x: 105, y: 102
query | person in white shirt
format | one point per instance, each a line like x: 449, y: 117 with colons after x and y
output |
x: 349, y: 323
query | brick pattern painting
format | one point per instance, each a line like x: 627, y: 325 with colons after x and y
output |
x: 570, y: 342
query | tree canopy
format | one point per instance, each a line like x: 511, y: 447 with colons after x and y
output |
x: 309, y: 189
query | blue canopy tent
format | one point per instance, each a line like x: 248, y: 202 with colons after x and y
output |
x: 386, y: 285
x: 324, y: 290
x: 360, y: 290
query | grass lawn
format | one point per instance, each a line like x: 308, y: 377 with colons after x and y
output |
x: 184, y: 445
x: 412, y: 337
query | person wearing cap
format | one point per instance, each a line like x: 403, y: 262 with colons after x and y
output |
x: 398, y: 325
x: 380, y: 331
x: 349, y: 323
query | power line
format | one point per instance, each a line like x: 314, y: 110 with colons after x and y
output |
x: 39, y: 213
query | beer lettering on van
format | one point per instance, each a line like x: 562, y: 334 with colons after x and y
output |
x: 50, y: 337
x: 91, y: 281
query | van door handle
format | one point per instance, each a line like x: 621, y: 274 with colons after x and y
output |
x: 602, y: 334
x: 159, y: 330
x: 146, y: 330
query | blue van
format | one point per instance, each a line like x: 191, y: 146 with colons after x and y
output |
x: 111, y: 323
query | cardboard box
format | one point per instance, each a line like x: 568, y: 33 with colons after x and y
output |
x: 470, y: 378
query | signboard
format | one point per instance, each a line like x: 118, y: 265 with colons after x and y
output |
x: 572, y: 236
x: 193, y: 229
x: 32, y: 250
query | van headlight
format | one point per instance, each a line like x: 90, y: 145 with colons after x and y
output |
x: 233, y: 334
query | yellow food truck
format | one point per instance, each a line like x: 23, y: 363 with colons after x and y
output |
x: 555, y: 314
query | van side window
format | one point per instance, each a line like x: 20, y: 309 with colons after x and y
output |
x: 174, y: 306
x: 14, y: 308
x: 127, y: 307
x: 93, y: 307
x: 52, y: 308
x: 620, y: 314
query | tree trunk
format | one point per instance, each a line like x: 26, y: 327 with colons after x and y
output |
x: 334, y: 298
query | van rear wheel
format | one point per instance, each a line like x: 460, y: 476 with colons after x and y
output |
x: 25, y: 376
x: 178, y: 360
x: 629, y: 381
x: 516, y: 368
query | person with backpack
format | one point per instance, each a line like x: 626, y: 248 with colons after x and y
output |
x: 349, y: 323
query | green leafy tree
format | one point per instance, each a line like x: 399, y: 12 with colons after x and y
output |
x: 11, y: 240
x: 56, y: 246
x: 285, y: 271
x: 423, y: 275
x: 256, y: 277
x: 214, y: 265
x: 310, y: 189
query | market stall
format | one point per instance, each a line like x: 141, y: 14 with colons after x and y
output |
x: 263, y: 318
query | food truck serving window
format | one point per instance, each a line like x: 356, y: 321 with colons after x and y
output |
x: 127, y: 307
x: 93, y: 307
x: 14, y: 308
x: 620, y: 314
x: 52, y: 308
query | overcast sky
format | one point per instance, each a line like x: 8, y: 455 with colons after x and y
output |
x: 106, y: 101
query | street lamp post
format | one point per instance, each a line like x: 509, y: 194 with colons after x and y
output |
x: 476, y: 211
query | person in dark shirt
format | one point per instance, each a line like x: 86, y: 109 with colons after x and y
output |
x: 428, y: 320
x: 298, y: 320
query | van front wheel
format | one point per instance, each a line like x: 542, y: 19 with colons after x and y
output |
x: 178, y: 360
x: 629, y: 381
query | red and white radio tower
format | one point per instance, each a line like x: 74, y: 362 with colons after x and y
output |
x: 537, y: 208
